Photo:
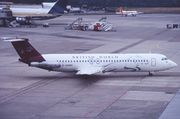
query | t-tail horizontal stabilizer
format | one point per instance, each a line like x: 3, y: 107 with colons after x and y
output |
x: 25, y: 50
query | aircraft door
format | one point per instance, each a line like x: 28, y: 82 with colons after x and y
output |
x: 153, y: 62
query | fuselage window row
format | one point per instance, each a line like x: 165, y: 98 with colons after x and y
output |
x: 65, y: 61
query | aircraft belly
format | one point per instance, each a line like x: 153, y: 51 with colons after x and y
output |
x: 129, y: 67
x: 66, y: 68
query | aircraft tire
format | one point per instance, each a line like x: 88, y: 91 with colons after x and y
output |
x: 151, y: 73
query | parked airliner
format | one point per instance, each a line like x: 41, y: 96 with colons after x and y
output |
x: 88, y: 64
x: 126, y: 13
x: 48, y: 11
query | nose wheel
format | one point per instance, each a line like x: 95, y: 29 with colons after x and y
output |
x: 151, y: 73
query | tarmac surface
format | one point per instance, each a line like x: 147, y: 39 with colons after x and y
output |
x: 32, y: 93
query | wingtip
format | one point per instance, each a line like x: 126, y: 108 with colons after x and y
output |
x: 14, y: 39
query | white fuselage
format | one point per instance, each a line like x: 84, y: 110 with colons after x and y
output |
x: 30, y: 10
x: 46, y: 7
x: 128, y: 13
x: 106, y: 62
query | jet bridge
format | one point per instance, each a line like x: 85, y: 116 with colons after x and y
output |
x: 7, y: 19
x: 5, y: 16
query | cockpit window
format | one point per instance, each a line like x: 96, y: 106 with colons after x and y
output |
x: 164, y: 58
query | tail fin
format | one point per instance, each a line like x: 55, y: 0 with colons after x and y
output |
x: 26, y: 51
x: 58, y: 7
x: 121, y: 10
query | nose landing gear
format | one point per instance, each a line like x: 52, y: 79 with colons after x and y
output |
x: 151, y: 73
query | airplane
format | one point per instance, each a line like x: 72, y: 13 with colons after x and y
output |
x: 48, y: 11
x: 89, y: 64
x: 126, y: 13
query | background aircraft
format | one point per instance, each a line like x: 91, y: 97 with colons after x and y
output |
x: 88, y: 64
x: 48, y: 11
x: 126, y: 13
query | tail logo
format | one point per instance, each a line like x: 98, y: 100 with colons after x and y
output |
x: 28, y: 49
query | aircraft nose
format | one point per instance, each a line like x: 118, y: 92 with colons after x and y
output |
x: 170, y: 64
x: 173, y: 64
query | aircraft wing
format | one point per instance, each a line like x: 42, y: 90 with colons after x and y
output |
x: 89, y: 70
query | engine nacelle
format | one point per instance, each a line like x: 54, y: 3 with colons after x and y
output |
x: 21, y: 19
x: 45, y: 64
